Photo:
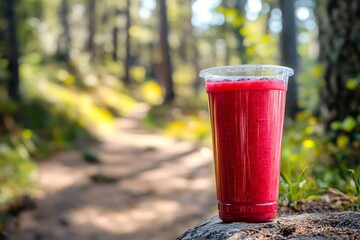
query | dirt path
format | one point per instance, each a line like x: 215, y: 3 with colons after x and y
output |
x: 158, y: 188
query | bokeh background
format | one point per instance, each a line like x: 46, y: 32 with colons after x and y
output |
x: 76, y: 72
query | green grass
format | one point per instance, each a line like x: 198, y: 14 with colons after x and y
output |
x: 355, y: 177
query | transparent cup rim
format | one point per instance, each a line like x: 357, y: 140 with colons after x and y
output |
x: 213, y: 72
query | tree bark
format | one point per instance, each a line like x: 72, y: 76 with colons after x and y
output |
x: 339, y: 225
x: 12, y: 51
x: 198, y: 81
x: 128, y: 44
x: 339, y: 34
x: 195, y: 51
x: 240, y: 6
x: 115, y: 39
x: 289, y: 55
x: 189, y: 44
x: 91, y: 29
x: 184, y: 47
x: 64, y: 44
x: 224, y: 35
x: 166, y: 69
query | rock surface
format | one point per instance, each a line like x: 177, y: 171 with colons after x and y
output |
x: 336, y: 225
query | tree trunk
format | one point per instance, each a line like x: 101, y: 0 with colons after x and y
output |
x: 64, y: 42
x: 289, y: 55
x: 240, y: 6
x: 115, y: 40
x: 195, y: 52
x: 128, y: 44
x: 166, y: 69
x: 91, y: 29
x: 183, y: 49
x: 223, y: 34
x: 103, y: 18
x: 115, y: 34
x: 198, y: 81
x: 339, y: 34
x: 12, y: 51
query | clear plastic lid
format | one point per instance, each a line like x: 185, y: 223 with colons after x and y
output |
x: 247, y: 72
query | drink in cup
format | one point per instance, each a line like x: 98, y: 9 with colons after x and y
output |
x: 246, y: 105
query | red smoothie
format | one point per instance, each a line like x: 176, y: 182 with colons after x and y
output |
x: 247, y: 121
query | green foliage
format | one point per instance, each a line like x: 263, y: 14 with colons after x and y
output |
x: 348, y: 124
x: 118, y: 102
x: 355, y: 184
x: 17, y: 171
x: 302, y: 144
x: 138, y: 73
x: 150, y: 92
x: 187, y: 119
x: 293, y: 191
x: 309, y: 82
x: 191, y: 127
x: 87, y: 108
x: 58, y: 107
x: 353, y: 83
x: 344, y: 141
x: 259, y: 47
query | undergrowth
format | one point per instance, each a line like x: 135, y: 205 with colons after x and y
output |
x: 58, y: 107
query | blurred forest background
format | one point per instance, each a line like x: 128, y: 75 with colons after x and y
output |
x: 69, y: 68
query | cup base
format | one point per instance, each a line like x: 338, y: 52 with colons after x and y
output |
x: 249, y: 218
x: 251, y: 213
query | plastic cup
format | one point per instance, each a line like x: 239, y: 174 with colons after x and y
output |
x: 246, y: 104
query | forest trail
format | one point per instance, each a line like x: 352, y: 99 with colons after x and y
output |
x: 148, y: 187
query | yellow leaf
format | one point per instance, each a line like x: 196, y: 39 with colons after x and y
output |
x: 301, y: 116
x: 240, y: 19
x: 184, y: 75
x: 220, y: 9
x: 309, y: 130
x: 138, y: 73
x: 250, y: 50
x: 230, y: 15
x: 151, y: 92
x: 175, y: 129
x: 293, y: 157
x: 349, y: 124
x: 312, y: 120
x: 70, y: 79
x: 317, y: 70
x: 352, y: 83
x: 244, y: 31
x: 135, y: 31
x: 266, y: 39
x: 62, y: 74
x: 27, y: 133
x: 342, y: 141
x: 308, y: 143
x: 336, y: 125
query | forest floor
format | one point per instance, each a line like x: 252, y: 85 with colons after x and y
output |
x: 145, y: 186
x: 133, y: 184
